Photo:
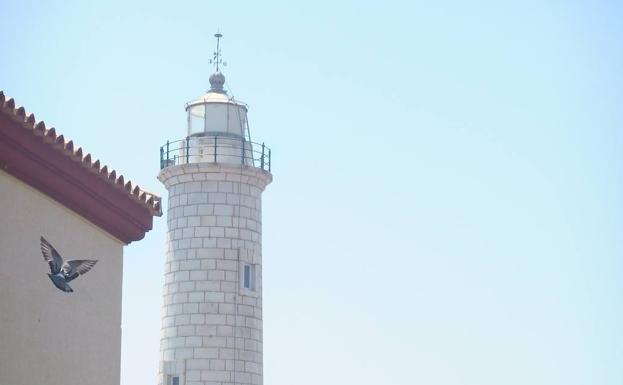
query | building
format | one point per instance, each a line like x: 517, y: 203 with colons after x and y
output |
x: 60, y: 320
x: 212, y: 313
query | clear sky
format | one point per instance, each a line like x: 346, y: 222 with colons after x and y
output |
x: 446, y: 205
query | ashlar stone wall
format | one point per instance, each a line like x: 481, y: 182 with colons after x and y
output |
x: 211, y: 325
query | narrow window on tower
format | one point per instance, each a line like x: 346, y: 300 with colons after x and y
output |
x: 248, y: 277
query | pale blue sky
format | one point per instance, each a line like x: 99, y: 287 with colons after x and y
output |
x: 446, y: 205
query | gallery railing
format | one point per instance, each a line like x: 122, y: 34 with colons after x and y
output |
x: 215, y: 149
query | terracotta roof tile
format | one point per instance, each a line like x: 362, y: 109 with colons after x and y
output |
x: 28, y: 122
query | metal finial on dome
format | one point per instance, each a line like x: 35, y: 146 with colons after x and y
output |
x: 217, y: 79
x: 217, y: 60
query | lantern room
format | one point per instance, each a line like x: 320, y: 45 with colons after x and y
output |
x: 216, y: 114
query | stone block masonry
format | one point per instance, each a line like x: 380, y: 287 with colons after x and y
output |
x: 211, y: 324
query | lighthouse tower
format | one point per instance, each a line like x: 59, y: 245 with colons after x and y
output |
x: 212, y: 313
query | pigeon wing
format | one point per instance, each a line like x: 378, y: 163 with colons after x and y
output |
x: 50, y: 254
x: 73, y: 269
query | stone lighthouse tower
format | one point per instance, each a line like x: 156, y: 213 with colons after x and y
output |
x: 212, y: 313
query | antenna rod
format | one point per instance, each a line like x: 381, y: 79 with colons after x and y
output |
x: 217, y: 54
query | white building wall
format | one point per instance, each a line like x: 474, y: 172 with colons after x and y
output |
x: 48, y: 336
x: 212, y: 326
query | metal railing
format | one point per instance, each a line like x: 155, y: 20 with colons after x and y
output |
x: 215, y: 149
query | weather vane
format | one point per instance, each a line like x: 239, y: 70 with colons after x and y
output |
x: 217, y: 60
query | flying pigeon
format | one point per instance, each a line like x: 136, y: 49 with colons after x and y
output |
x: 63, y: 272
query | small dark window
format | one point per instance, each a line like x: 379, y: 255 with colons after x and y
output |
x: 175, y: 381
x: 247, y: 277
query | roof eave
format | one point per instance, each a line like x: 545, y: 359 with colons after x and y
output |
x: 47, y: 162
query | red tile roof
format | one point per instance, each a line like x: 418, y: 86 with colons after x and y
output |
x: 49, y: 138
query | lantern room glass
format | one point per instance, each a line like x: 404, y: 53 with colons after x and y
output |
x: 196, y: 119
x: 217, y: 118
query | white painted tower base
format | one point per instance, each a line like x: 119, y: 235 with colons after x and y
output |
x: 211, y: 324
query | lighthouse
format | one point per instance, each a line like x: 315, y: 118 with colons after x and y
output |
x: 212, y: 298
